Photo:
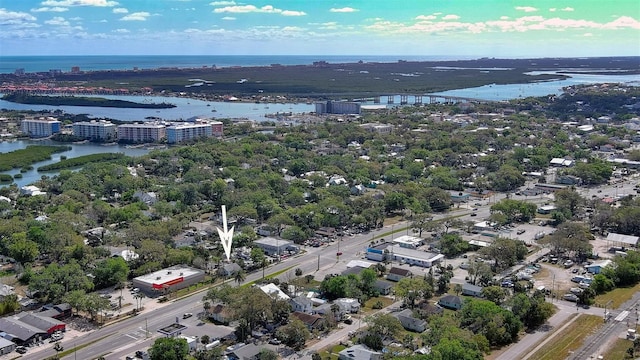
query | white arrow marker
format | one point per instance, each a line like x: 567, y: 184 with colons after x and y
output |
x: 226, y: 236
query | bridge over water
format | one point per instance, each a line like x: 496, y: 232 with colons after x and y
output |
x: 432, y: 98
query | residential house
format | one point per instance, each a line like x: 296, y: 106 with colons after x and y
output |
x: 313, y: 322
x: 383, y: 287
x: 451, y: 302
x: 354, y: 270
x: 349, y: 305
x: 426, y: 309
x: 471, y: 290
x: 301, y: 304
x: 229, y: 269
x: 358, y: 190
x: 274, y: 291
x: 245, y: 352
x: 397, y: 274
x: 409, y: 321
x: 220, y: 313
x: 359, y: 352
x: 149, y: 198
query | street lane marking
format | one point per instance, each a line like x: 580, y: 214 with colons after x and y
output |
x: 622, y: 316
x: 131, y: 336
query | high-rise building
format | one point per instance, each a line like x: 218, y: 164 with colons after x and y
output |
x: 42, y: 127
x: 337, y: 107
x: 95, y: 130
x: 145, y: 132
x: 187, y: 131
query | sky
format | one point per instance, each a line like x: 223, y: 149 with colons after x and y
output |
x: 482, y: 28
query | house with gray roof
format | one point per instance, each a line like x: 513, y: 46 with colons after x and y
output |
x: 6, y: 346
x: 409, y: 321
x: 451, y: 302
x: 302, y: 304
x: 472, y: 290
x: 359, y: 352
x: 246, y: 352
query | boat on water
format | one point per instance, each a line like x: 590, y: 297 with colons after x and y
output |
x: 110, y: 144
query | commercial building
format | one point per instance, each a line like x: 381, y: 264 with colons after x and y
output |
x: 273, y: 246
x: 42, y: 127
x: 167, y: 280
x: 95, y: 130
x: 145, y: 132
x: 408, y: 241
x: 403, y: 255
x: 337, y: 107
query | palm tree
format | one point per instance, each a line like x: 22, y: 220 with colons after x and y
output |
x: 239, y: 276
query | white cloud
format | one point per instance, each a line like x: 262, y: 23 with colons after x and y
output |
x: 120, y: 11
x: 526, y: 8
x: 450, y: 17
x: 426, y: 17
x: 103, y: 21
x: 121, y: 31
x: 222, y: 3
x: 50, y: 9
x: 57, y: 21
x: 14, y: 18
x: 567, y: 9
x: 623, y: 22
x: 136, y: 16
x: 552, y: 9
x: 587, y: 35
x: 99, y: 3
x: 293, y: 13
x: 75, y: 18
x: 228, y: 18
x: 504, y: 17
x: 268, y: 9
x: 343, y: 10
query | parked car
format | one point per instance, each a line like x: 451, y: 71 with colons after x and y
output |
x: 187, y: 315
x: 570, y: 297
x: 521, y: 231
x: 21, y: 349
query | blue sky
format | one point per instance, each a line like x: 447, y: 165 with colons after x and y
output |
x: 493, y: 28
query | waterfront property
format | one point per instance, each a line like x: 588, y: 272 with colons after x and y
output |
x: 180, y: 132
x: 41, y: 127
x: 146, y: 132
x: 95, y: 130
x: 337, y: 107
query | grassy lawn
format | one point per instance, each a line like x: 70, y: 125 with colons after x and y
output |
x: 619, y: 349
x: 368, y: 306
x: 332, y: 354
x: 570, y: 339
x: 617, y: 296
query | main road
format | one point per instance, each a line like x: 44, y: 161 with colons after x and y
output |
x: 135, y: 333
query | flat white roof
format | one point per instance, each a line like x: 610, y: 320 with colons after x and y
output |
x: 360, y: 263
x: 414, y: 254
x: 168, y: 275
x: 272, y: 289
x: 407, y: 239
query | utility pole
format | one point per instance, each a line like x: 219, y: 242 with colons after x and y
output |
x: 318, y: 263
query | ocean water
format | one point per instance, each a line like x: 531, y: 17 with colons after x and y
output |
x: 8, y: 64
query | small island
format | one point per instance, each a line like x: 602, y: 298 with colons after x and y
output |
x: 23, y: 98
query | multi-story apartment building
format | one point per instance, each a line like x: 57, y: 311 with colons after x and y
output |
x: 95, y: 130
x: 41, y: 127
x: 186, y: 131
x: 145, y: 132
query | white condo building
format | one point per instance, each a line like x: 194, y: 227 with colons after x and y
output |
x: 95, y: 130
x: 41, y: 127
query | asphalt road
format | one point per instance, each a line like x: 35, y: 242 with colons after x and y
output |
x: 125, y: 337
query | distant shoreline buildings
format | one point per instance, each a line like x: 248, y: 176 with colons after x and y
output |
x: 106, y: 131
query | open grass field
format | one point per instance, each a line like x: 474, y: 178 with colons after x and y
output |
x: 617, y: 296
x: 619, y: 349
x: 569, y: 339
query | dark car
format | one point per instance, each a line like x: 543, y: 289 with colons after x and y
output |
x: 21, y: 349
